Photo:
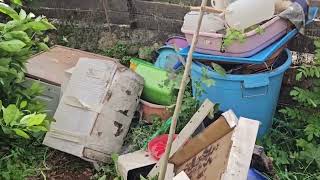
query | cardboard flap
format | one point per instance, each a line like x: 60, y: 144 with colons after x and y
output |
x: 215, y: 131
x: 227, y: 158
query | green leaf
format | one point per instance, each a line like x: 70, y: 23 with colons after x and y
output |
x: 142, y: 178
x: 20, y: 35
x: 12, y: 45
x: 4, y: 8
x: 5, y: 61
x: 23, y: 14
x: 25, y: 119
x: 41, y: 25
x: 21, y: 133
x: 208, y: 82
x: 2, y: 26
x: 11, y: 114
x: 46, y: 39
x: 36, y: 119
x: 294, y: 93
x: 43, y: 46
x: 219, y: 69
x: 23, y: 104
x: 17, y: 2
x: 299, y: 76
x: 104, y: 177
x: 37, y: 129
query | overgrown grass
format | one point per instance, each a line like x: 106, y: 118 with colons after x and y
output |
x: 289, y: 159
x: 22, y: 160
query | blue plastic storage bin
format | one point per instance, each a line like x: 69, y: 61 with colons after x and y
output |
x: 252, y: 96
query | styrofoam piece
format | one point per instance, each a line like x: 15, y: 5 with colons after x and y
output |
x: 242, y: 14
x: 96, y: 110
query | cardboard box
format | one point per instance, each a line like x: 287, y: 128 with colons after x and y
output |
x: 96, y: 110
x: 48, y: 67
x: 227, y: 158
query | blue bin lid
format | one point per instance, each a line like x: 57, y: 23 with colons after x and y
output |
x: 258, y: 58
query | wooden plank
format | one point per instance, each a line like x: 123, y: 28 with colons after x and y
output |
x: 239, y: 160
x: 187, y: 132
x: 169, y: 172
x: 209, y: 135
x: 211, y: 162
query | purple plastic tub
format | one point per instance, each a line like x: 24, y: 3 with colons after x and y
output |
x: 211, y: 43
x: 177, y: 41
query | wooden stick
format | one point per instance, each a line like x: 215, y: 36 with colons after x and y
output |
x: 183, y: 84
x: 207, y: 9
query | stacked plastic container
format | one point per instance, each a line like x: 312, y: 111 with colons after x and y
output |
x: 253, y: 94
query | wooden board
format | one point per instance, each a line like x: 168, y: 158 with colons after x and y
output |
x: 187, y: 132
x: 228, y: 158
x: 209, y: 135
x: 210, y: 163
x: 244, y: 139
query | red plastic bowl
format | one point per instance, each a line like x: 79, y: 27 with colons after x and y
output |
x: 157, y: 146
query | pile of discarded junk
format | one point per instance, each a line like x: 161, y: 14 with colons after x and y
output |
x: 239, y: 61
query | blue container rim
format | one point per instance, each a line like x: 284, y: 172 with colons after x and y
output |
x: 233, y: 77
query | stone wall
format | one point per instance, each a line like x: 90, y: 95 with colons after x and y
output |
x: 99, y: 24
x: 132, y: 21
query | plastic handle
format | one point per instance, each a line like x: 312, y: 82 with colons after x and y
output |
x: 254, y: 87
x: 256, y: 82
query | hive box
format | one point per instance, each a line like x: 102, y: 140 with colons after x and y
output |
x: 225, y: 157
x: 48, y: 69
x: 96, y: 110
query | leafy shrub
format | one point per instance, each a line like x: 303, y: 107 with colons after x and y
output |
x: 20, y: 37
x: 15, y: 121
x: 294, y: 141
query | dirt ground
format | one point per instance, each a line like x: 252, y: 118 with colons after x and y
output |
x: 66, y: 167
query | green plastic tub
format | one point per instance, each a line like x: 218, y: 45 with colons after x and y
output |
x: 158, y: 89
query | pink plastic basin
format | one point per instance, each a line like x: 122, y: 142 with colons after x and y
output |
x: 211, y: 43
